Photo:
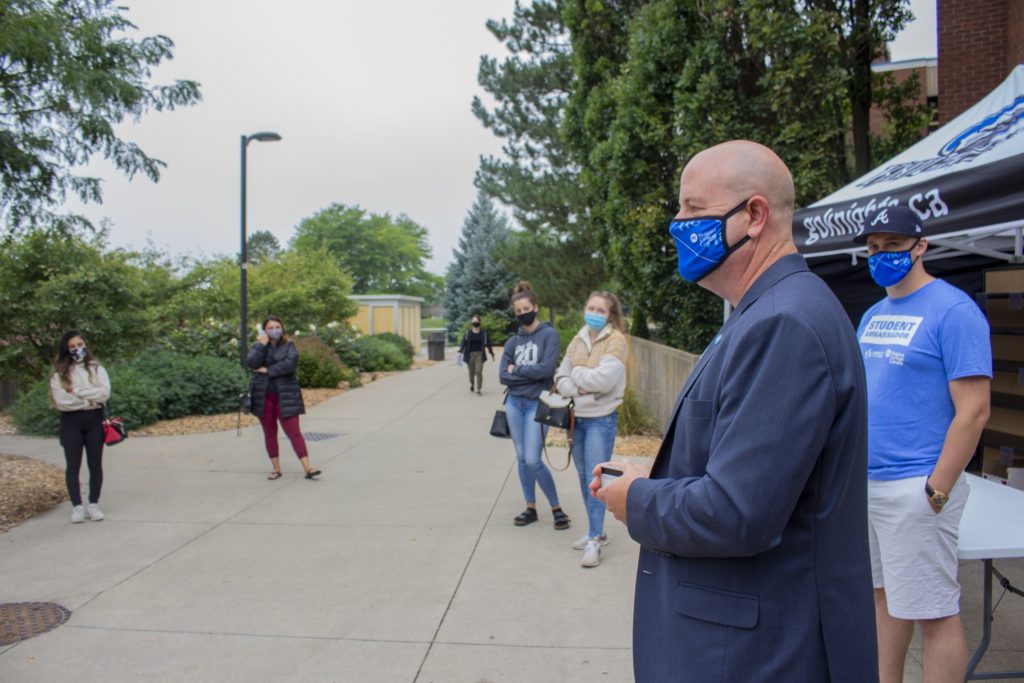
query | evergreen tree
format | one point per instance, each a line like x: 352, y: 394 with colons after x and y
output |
x: 558, y: 250
x: 477, y: 282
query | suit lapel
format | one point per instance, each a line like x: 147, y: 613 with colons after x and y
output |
x: 702, y: 362
x: 783, y: 268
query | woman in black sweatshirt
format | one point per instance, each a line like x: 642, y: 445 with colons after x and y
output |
x: 475, y: 341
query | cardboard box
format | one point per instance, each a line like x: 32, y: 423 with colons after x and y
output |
x: 1004, y: 280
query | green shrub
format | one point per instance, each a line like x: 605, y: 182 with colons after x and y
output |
x: 404, y: 345
x: 319, y: 366
x: 381, y: 355
x: 568, y: 326
x: 32, y: 412
x: 192, y: 385
x: 342, y: 340
x: 634, y: 418
x: 134, y: 396
x: 218, y: 339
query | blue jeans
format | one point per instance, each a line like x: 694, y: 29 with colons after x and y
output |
x: 594, y: 440
x: 528, y: 438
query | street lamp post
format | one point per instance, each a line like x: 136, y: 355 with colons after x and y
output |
x: 243, y: 256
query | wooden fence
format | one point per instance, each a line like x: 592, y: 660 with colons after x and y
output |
x: 656, y: 373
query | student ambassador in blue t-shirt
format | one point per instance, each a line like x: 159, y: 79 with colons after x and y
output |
x: 928, y: 361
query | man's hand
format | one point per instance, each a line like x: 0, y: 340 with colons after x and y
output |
x: 614, y: 495
x: 263, y: 370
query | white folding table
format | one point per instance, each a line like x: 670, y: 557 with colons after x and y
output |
x: 991, y: 528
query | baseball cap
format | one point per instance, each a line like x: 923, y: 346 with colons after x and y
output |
x: 898, y: 220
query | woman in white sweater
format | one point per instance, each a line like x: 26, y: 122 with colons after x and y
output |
x: 79, y: 387
x: 593, y: 372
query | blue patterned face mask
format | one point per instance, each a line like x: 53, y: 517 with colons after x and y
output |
x: 701, y: 243
x: 888, y: 268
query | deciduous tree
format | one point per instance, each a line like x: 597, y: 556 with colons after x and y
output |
x: 69, y: 72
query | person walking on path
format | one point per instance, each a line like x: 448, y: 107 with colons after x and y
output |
x: 929, y: 364
x: 593, y: 373
x: 753, y: 524
x: 79, y: 386
x: 474, y: 342
x: 527, y: 368
x: 276, y: 394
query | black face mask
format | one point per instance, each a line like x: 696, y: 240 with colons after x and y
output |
x: 476, y: 323
x: 526, y: 319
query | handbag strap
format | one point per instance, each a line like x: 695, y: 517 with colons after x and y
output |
x: 570, y: 437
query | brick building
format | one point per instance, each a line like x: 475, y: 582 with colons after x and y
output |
x: 980, y: 42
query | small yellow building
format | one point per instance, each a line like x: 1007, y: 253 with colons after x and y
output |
x: 396, y: 313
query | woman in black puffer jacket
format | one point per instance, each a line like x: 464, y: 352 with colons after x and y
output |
x: 276, y: 394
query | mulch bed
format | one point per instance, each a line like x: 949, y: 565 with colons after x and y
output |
x: 28, y: 487
x: 634, y: 445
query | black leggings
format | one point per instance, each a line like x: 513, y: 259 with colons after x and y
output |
x: 77, y: 429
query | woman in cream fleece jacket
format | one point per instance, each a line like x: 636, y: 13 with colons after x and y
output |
x: 79, y: 387
x: 593, y: 372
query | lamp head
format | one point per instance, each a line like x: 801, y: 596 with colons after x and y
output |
x: 264, y: 136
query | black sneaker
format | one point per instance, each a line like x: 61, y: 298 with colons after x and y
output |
x: 528, y: 516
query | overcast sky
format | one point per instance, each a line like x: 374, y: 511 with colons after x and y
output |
x: 372, y: 100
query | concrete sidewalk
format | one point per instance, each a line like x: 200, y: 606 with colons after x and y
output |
x: 400, y: 564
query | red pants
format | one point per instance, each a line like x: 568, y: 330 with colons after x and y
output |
x: 271, y: 414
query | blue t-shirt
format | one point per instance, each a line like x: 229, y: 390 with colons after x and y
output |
x: 912, y: 348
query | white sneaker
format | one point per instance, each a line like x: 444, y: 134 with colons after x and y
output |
x: 95, y: 514
x: 582, y: 541
x: 591, y: 554
x: 77, y: 514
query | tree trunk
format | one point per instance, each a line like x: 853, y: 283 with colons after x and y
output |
x: 860, y: 85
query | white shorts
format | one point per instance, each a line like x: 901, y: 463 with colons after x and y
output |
x: 914, y: 549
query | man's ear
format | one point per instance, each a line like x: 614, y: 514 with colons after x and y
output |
x: 758, y: 210
x: 923, y: 245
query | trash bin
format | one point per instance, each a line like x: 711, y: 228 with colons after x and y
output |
x: 435, y: 346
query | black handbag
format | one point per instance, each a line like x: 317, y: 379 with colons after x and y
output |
x: 558, y: 412
x: 555, y: 411
x: 499, y: 425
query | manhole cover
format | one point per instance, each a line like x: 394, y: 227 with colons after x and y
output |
x: 23, y: 620
x: 319, y: 436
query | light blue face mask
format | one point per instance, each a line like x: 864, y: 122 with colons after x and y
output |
x: 888, y: 268
x: 701, y: 243
x: 595, y: 321
x: 275, y: 333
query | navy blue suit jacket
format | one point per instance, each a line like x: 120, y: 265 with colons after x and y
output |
x: 754, y: 563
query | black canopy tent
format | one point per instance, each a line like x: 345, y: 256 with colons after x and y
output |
x: 966, y: 183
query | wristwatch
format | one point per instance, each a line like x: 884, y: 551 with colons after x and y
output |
x: 938, y: 498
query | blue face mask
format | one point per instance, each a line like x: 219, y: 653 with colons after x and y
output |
x: 595, y: 321
x: 275, y: 333
x: 701, y: 243
x: 888, y: 268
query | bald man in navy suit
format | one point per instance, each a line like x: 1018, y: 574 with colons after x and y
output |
x: 754, y: 561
